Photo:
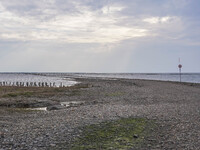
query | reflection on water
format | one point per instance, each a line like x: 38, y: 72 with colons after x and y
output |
x: 71, y: 103
x: 67, y: 78
x: 12, y: 78
x: 41, y: 108
x: 186, y: 77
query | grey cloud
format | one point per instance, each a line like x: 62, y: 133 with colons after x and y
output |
x: 40, y: 9
x: 21, y: 7
x: 97, y: 35
x: 56, y: 19
x: 51, y: 8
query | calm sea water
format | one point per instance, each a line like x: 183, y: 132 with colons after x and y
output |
x: 35, y: 77
x: 67, y: 78
x: 185, y: 77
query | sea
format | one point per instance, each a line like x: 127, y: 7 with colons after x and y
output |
x: 67, y: 79
x: 13, y: 78
x: 185, y: 77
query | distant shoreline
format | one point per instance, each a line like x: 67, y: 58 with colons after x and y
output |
x: 186, y: 77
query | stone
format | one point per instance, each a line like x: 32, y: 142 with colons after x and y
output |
x: 135, y: 136
x: 54, y: 107
x: 52, y: 145
x: 1, y: 135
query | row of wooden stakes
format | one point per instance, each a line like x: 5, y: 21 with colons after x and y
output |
x: 30, y: 84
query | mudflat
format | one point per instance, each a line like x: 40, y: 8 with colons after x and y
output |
x: 129, y: 114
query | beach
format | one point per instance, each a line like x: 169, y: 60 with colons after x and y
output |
x: 173, y: 107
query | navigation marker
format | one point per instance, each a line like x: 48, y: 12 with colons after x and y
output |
x: 180, y: 66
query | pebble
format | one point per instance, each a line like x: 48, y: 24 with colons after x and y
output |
x: 53, y: 145
x: 174, y: 107
x: 135, y: 136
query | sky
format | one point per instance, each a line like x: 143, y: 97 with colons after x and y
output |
x: 135, y: 36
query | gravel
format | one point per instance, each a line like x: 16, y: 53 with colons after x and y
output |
x: 174, y: 106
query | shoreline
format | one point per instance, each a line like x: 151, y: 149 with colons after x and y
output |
x: 170, y: 77
x: 174, y: 106
x: 174, y: 77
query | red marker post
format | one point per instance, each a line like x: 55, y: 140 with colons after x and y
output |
x: 180, y: 66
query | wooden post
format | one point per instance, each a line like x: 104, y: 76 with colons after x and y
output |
x: 60, y: 84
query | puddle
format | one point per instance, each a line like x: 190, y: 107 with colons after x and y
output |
x: 41, y: 108
x: 62, y: 105
x: 71, y: 103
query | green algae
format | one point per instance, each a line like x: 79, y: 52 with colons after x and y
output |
x: 25, y: 94
x: 125, y: 133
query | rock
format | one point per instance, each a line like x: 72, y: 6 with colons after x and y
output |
x: 135, y: 136
x: 157, y: 146
x: 52, y: 145
x: 1, y: 135
x: 54, y: 107
x: 149, y: 145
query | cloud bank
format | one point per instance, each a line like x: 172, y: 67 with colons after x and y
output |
x: 97, y: 36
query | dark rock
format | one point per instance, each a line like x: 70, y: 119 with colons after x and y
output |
x: 54, y: 107
x: 1, y: 135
